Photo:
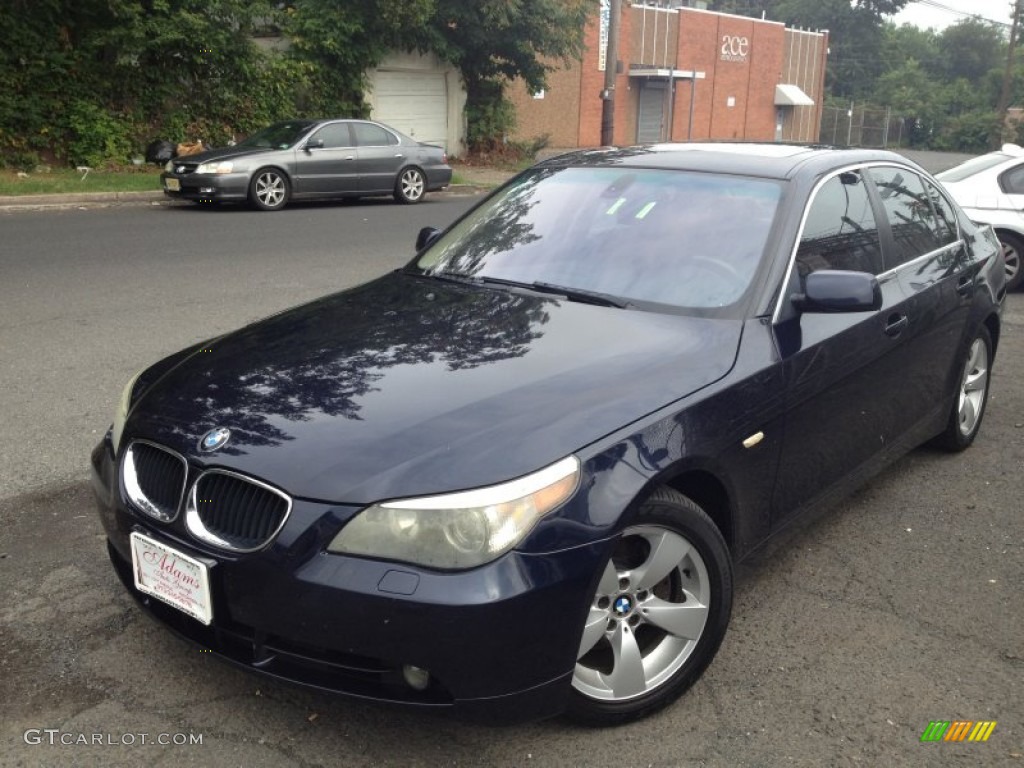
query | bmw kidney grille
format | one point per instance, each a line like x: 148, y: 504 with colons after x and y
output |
x: 223, y: 509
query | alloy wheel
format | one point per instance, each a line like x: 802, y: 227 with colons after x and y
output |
x: 1011, y: 261
x: 411, y: 185
x: 973, y: 386
x: 270, y: 189
x: 645, y: 621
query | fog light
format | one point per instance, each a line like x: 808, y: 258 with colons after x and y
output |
x: 417, y: 678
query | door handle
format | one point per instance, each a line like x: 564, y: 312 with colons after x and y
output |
x: 964, y: 285
x: 896, y: 324
x: 399, y: 155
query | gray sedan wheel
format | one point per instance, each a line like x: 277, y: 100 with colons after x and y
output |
x: 411, y: 186
x: 269, y: 189
x: 659, y: 613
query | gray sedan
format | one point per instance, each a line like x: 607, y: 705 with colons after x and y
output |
x: 310, y: 159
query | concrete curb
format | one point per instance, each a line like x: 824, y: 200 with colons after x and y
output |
x: 128, y: 198
x: 81, y: 197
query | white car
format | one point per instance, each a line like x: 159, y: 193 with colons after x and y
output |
x: 990, y: 189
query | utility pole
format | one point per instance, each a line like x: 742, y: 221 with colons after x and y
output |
x: 1004, y: 94
x: 611, y: 70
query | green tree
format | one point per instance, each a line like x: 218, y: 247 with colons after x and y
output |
x: 337, y: 42
x: 490, y: 41
x: 495, y: 41
x: 905, y: 42
x: 970, y: 49
x: 856, y: 34
x: 92, y: 80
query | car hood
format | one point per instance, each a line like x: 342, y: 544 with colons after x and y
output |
x: 409, y: 385
x: 221, y: 153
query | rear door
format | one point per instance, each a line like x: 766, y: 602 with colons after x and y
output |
x: 380, y: 155
x: 925, y: 251
x: 841, y: 369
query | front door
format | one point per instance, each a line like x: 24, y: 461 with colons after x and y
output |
x: 329, y: 168
x: 841, y: 370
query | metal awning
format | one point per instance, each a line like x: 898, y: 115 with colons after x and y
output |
x: 681, y: 74
x: 787, y: 95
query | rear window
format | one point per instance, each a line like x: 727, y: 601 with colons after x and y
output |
x: 973, y: 166
x: 677, y: 238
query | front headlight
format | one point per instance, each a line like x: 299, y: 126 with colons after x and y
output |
x: 459, y: 530
x: 222, y: 166
x: 169, y: 167
x: 122, y: 410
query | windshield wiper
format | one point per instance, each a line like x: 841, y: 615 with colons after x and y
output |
x: 583, y: 295
x: 572, y: 294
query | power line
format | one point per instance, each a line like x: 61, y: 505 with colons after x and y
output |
x: 934, y: 4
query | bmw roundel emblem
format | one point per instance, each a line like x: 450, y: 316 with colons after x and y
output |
x: 214, y: 439
x: 623, y: 606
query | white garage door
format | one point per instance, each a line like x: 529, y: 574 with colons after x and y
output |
x: 415, y: 103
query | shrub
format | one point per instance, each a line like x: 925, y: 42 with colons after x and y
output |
x: 95, y: 136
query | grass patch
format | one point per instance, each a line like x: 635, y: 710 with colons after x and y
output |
x: 65, y: 181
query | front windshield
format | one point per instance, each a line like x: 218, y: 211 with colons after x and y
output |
x: 678, y: 238
x: 278, y: 135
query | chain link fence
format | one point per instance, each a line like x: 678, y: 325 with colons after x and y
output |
x: 864, y: 126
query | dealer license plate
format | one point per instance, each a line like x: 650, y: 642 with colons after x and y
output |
x: 171, y: 576
x: 173, y: 185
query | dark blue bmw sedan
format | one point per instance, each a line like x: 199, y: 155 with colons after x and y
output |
x: 511, y: 479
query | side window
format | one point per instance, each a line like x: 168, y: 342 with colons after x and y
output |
x: 369, y: 135
x: 840, y: 231
x: 1012, y: 181
x: 910, y: 214
x: 945, y: 218
x: 334, y: 135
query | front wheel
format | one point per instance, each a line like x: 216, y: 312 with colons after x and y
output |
x: 972, y: 396
x: 411, y: 186
x: 269, y: 190
x: 658, y: 617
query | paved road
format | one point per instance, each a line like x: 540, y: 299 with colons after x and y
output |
x: 901, y: 606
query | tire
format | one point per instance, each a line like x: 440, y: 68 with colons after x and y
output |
x: 269, y: 190
x: 410, y: 186
x: 631, y: 663
x: 971, y: 395
x: 1013, y: 254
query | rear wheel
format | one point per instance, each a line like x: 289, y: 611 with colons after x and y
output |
x: 972, y: 396
x: 269, y: 190
x: 1013, y: 250
x: 659, y: 614
x: 411, y: 186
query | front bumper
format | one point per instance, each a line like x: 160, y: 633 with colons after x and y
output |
x: 229, y: 187
x: 499, y: 641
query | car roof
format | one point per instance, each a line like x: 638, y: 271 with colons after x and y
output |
x: 769, y: 160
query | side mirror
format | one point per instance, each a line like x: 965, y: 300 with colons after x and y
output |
x: 314, y: 144
x: 832, y: 290
x: 426, y: 237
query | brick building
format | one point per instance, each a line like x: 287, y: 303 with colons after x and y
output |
x: 684, y: 73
